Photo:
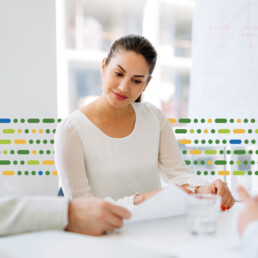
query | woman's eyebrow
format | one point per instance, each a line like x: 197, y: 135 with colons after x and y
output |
x: 125, y: 71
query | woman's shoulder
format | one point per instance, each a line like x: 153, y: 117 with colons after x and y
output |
x: 148, y: 110
x: 71, y: 122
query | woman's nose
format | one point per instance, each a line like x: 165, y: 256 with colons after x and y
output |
x: 124, y: 86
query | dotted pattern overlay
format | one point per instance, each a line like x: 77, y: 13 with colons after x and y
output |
x: 218, y: 146
x: 209, y: 146
x: 27, y: 146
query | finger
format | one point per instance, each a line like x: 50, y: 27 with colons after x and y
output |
x: 256, y: 198
x: 119, y: 211
x: 113, y: 220
x: 226, y: 199
x: 220, y: 188
x: 232, y: 203
x: 243, y: 194
x: 108, y: 227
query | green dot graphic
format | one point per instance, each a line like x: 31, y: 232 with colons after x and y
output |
x: 26, y: 130
x: 246, y: 120
x: 31, y: 141
x: 250, y: 131
x: 41, y: 152
x: 52, y: 141
x: 212, y: 130
x: 250, y: 152
x: 198, y: 173
x: 213, y: 173
x: 196, y: 141
x: 253, y: 120
x: 238, y: 162
x: 249, y: 173
x: 45, y: 141
x: 195, y: 162
x: 210, y: 141
x: 48, y: 152
x: 253, y: 141
x: 231, y: 120
x: 33, y: 173
x: 205, y: 173
x: 22, y: 120
x: 47, y: 131
x: 202, y: 120
x: 221, y: 152
x: 184, y: 152
x: 199, y: 131
x: 15, y: 120
x: 228, y: 152
x: 192, y: 131
x: 19, y: 173
x: 26, y: 173
x: 246, y: 141
x: 38, y: 141
x: 203, y: 141
x: 231, y: 162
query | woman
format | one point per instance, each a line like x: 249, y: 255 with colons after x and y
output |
x: 117, y: 146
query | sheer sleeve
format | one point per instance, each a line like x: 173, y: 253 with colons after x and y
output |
x: 69, y: 159
x: 70, y: 164
x: 171, y: 163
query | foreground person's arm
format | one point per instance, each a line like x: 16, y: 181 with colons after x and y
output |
x: 87, y: 216
x: 248, y: 223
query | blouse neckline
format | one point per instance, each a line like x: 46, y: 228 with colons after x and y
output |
x: 107, y: 136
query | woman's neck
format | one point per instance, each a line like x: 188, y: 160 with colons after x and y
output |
x: 107, y: 111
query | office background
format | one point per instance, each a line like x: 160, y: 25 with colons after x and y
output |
x: 50, y: 61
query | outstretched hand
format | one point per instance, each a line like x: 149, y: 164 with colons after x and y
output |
x: 250, y: 213
x: 220, y: 188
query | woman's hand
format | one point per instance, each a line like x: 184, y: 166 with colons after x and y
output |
x: 220, y: 188
x: 144, y: 196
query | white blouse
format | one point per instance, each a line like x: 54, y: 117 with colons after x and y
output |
x: 90, y: 163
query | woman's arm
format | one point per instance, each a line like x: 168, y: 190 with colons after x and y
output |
x: 69, y: 160
x: 171, y: 163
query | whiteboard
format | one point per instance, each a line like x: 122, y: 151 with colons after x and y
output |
x: 224, y: 76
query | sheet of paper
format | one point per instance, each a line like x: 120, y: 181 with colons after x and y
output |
x: 169, y: 202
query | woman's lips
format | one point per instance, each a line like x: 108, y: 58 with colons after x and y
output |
x: 118, y: 96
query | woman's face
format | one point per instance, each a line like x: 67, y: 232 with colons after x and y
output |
x: 124, y: 78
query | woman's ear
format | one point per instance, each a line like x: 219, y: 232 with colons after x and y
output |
x: 147, y: 83
x: 103, y: 66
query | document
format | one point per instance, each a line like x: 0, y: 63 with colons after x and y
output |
x: 169, y: 202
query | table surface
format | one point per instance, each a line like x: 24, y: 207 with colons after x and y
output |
x: 167, y: 237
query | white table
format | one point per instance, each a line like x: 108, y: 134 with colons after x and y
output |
x: 156, y: 238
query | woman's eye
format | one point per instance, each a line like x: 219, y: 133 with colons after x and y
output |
x: 137, y: 81
x: 118, y: 74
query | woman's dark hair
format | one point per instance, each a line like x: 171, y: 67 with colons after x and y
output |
x: 139, y: 45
